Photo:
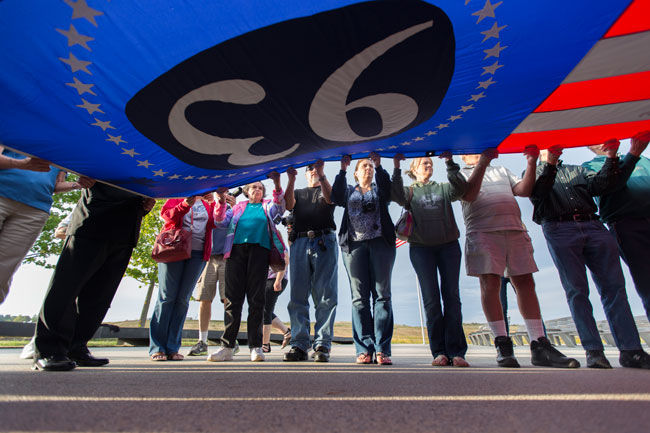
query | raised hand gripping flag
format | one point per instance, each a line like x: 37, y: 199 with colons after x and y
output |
x: 172, y: 98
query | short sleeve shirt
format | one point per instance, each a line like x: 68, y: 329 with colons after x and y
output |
x: 495, y: 207
x: 311, y: 212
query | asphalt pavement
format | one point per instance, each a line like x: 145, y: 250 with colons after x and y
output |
x: 135, y: 394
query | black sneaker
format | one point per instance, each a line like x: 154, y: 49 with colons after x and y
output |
x: 596, y: 359
x: 295, y: 354
x: 634, y: 359
x: 321, y: 354
x: 544, y: 354
x: 505, y: 354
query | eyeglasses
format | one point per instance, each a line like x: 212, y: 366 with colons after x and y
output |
x: 310, y: 168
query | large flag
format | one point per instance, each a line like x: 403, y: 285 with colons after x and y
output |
x: 170, y: 98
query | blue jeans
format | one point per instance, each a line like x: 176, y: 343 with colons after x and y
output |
x: 370, y: 265
x: 446, y: 335
x: 313, y: 272
x: 176, y: 281
x: 633, y: 237
x: 575, y: 246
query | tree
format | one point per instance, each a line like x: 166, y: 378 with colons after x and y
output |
x: 142, y: 267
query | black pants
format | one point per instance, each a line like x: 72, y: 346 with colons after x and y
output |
x: 82, y: 287
x: 246, y: 271
x: 271, y: 299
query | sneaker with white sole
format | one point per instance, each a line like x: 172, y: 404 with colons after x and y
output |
x: 257, y: 354
x: 223, y: 354
x: 200, y: 348
x: 29, y: 350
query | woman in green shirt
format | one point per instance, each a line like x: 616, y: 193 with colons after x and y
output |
x: 434, y: 250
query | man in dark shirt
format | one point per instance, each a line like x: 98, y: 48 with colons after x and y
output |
x: 563, y: 205
x: 313, y: 264
x: 626, y: 211
x: 104, y: 229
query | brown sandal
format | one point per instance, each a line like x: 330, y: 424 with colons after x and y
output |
x: 159, y: 356
x: 175, y: 357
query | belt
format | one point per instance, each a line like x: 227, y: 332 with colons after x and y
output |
x: 579, y: 217
x: 311, y: 234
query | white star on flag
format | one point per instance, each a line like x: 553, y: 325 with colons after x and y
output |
x: 392, y: 147
x: 493, y: 32
x: 75, y: 38
x: 80, y: 9
x: 144, y: 163
x: 216, y: 176
x: 430, y: 133
x: 91, y: 108
x: 418, y: 139
x: 492, y: 68
x: 117, y: 139
x: 188, y: 177
x: 173, y: 177
x: 159, y: 172
x: 104, y: 124
x: 455, y: 117
x: 76, y: 64
x: 81, y: 87
x: 202, y: 177
x: 475, y: 98
x: 405, y: 143
x: 443, y: 125
x: 232, y: 174
x: 131, y: 152
x: 464, y: 108
x: 495, y: 51
x: 485, y: 84
x: 487, y: 11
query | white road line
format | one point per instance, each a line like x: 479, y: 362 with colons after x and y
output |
x: 414, y: 398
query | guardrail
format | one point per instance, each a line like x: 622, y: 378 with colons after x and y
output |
x: 558, y: 337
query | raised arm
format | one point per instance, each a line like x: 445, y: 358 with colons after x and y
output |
x: 325, y: 187
x: 524, y: 187
x: 29, y: 163
x: 340, y: 183
x: 398, y: 195
x: 289, y: 197
x: 544, y: 183
x: 457, y: 182
x: 476, y: 178
x: 381, y: 177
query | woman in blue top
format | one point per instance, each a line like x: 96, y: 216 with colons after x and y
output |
x: 367, y: 240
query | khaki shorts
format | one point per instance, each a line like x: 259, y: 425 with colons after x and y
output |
x: 206, y: 287
x: 507, y: 253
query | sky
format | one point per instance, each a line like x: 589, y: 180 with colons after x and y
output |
x: 30, y: 282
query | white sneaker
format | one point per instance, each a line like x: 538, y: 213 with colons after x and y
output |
x: 223, y: 354
x: 28, y: 350
x: 257, y: 354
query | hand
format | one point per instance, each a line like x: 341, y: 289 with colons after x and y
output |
x: 275, y: 177
x: 231, y: 200
x: 554, y: 153
x: 148, y: 204
x: 488, y: 155
x: 291, y: 174
x: 375, y: 158
x: 345, y: 162
x: 639, y: 143
x: 397, y: 158
x: 319, y: 166
x: 446, y: 155
x: 277, y: 286
x: 190, y: 200
x: 33, y: 164
x: 222, y: 193
x: 611, y: 147
x: 85, y: 182
x: 532, y: 153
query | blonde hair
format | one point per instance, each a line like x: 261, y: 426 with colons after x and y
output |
x: 356, y: 167
x: 245, y: 189
x: 414, y: 166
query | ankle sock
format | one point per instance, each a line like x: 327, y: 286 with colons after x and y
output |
x: 535, y: 328
x: 203, y: 336
x: 498, y: 328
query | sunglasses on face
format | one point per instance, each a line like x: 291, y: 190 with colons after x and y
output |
x: 310, y: 168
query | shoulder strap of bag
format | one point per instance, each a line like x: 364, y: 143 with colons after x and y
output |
x: 408, y: 203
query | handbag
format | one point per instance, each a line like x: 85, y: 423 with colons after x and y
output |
x: 173, y: 245
x: 405, y: 223
x: 276, y: 259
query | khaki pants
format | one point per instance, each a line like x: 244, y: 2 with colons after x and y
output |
x: 20, y: 225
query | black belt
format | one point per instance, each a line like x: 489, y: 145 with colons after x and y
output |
x: 311, y: 234
x: 579, y: 217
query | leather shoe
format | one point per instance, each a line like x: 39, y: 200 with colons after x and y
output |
x: 505, y: 353
x: 321, y: 354
x: 596, y: 359
x: 634, y: 359
x: 85, y: 359
x: 295, y: 354
x: 544, y: 354
x: 54, y: 363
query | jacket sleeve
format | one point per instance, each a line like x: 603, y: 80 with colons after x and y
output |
x: 544, y: 183
x: 383, y: 184
x: 626, y: 167
x: 222, y: 215
x: 398, y: 193
x: 457, y: 182
x: 173, y: 212
x: 606, y: 179
x: 339, y: 189
x: 278, y: 205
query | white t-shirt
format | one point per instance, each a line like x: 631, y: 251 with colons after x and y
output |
x: 199, y: 226
x: 495, y: 207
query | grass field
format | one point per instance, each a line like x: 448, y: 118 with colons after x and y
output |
x: 402, y: 334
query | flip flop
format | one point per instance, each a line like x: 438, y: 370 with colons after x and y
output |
x: 159, y: 356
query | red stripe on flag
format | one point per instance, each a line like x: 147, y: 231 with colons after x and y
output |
x: 399, y: 243
x: 574, y: 137
x: 636, y: 18
x: 611, y: 90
